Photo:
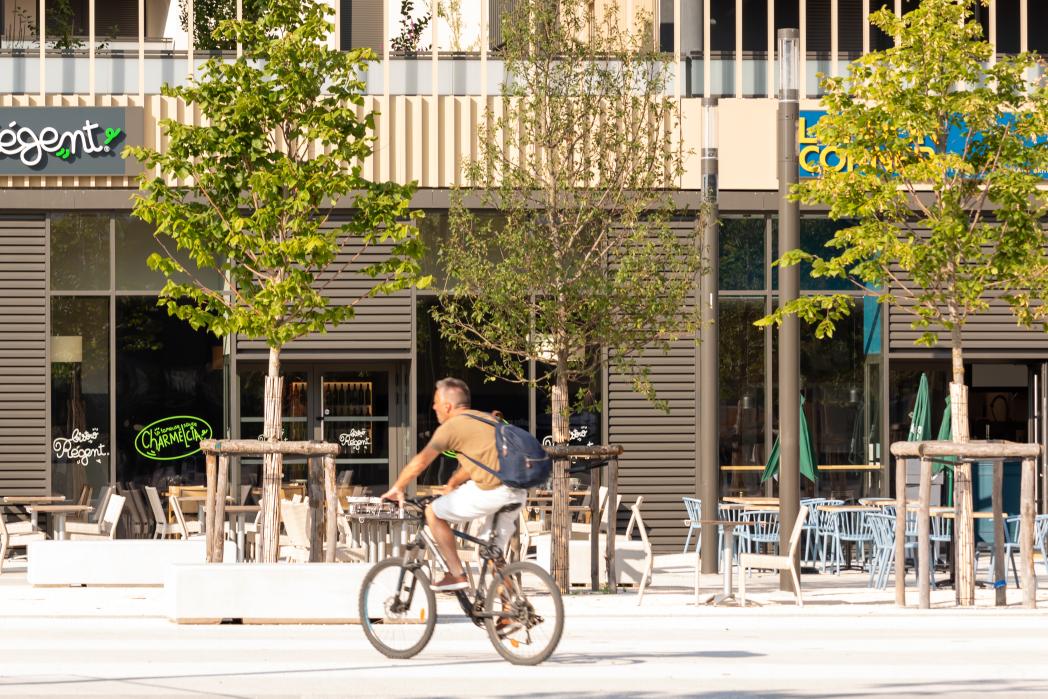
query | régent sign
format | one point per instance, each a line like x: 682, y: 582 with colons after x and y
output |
x: 172, y: 438
x: 68, y: 140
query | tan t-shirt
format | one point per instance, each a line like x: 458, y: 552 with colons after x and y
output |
x: 465, y: 435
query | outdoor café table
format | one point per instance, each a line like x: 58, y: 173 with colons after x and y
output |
x: 876, y: 502
x: 728, y: 548
x: 27, y: 501
x: 58, y: 516
x: 752, y: 500
x: 241, y: 512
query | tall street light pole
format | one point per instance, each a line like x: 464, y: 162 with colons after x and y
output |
x: 789, y: 290
x: 709, y: 369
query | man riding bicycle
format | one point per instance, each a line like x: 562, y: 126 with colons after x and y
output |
x: 471, y: 492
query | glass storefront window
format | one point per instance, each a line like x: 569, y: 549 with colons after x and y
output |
x: 168, y: 394
x: 81, y: 445
x: 135, y: 243
x: 742, y: 410
x: 815, y: 233
x: 79, y: 247
x: 438, y: 359
x: 833, y: 380
x: 742, y: 265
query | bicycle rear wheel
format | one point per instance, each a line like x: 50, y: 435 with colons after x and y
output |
x: 528, y: 613
x: 398, y: 609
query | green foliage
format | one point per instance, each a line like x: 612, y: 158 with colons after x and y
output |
x: 251, y: 191
x: 579, y: 165
x: 207, y: 14
x: 411, y: 28
x: 960, y: 228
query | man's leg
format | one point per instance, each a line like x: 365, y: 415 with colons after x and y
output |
x: 445, y: 539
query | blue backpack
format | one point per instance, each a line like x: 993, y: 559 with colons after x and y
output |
x: 523, y: 463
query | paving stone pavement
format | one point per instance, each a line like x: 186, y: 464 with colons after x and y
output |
x: 846, y: 641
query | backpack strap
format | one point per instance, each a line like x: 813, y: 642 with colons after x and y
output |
x: 486, y: 422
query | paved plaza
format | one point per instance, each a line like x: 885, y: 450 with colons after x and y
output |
x: 846, y: 641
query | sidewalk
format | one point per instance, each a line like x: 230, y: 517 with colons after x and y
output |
x: 845, y: 640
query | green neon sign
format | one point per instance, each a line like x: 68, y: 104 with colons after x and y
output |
x: 171, y: 438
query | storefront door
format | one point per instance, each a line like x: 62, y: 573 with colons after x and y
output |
x: 358, y: 407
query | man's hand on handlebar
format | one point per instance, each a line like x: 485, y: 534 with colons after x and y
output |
x: 395, y: 494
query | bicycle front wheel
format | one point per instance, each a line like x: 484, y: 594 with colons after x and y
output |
x: 527, y: 613
x: 398, y: 609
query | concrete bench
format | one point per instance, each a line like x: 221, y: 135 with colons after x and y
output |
x: 118, y: 562
x: 267, y: 593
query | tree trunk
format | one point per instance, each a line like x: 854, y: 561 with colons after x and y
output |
x: 561, y: 527
x: 964, y: 585
x: 272, y: 464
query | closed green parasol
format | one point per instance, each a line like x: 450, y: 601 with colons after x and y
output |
x: 808, y: 462
x: 945, y: 435
x: 921, y: 418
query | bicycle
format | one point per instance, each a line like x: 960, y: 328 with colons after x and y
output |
x: 518, y: 603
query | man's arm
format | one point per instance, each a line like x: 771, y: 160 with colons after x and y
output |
x: 459, y: 477
x: 419, y: 463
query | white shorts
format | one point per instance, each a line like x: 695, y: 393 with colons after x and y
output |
x: 468, y: 502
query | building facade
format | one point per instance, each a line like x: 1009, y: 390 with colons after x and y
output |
x: 98, y: 384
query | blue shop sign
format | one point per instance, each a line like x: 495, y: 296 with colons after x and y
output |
x: 815, y: 157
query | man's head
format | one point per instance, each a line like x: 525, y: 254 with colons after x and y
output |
x: 450, y: 396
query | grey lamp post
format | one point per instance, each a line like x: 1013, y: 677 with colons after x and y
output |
x: 789, y: 289
x: 709, y: 370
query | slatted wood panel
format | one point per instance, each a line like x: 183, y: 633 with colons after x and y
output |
x: 993, y: 329
x: 660, y: 448
x: 382, y: 323
x: 23, y: 358
x: 659, y: 457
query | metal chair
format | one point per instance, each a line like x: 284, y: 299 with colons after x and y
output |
x: 882, y: 528
x: 844, y: 527
x: 1011, y: 545
x: 1040, y: 538
x: 694, y: 509
x: 765, y: 529
x: 811, y: 528
x: 730, y: 512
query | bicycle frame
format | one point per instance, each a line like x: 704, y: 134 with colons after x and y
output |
x: 489, y: 553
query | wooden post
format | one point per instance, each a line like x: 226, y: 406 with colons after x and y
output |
x: 923, y: 536
x: 999, y: 569
x: 1026, y: 527
x: 594, y: 506
x: 217, y: 533
x: 900, y: 531
x: 210, y: 468
x: 272, y: 473
x: 315, y: 489
x: 331, y: 519
x: 612, y: 513
x: 560, y: 526
x: 964, y: 546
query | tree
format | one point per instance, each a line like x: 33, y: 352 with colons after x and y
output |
x: 944, y: 152
x: 580, y: 259
x: 251, y: 193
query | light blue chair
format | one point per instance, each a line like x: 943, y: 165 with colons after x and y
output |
x: 882, y: 529
x: 810, y: 551
x: 730, y: 512
x: 694, y: 508
x: 1040, y: 538
x: 1011, y: 545
x: 763, y: 531
x: 846, y: 527
x: 942, y: 530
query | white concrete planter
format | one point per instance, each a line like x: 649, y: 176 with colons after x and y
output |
x: 271, y: 593
x: 630, y: 558
x: 118, y: 562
